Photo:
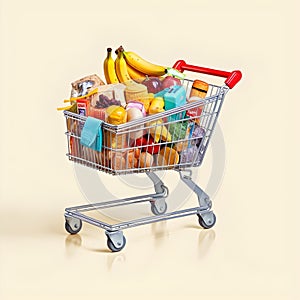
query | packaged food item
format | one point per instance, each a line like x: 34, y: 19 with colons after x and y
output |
x: 83, y: 107
x: 82, y: 86
x: 180, y: 132
x: 199, y: 90
x: 189, y: 155
x: 168, y: 156
x: 173, y: 96
x: 135, y: 91
x: 145, y: 160
x: 138, y: 105
x: 134, y: 113
x: 116, y: 115
x: 138, y: 93
x: 99, y: 104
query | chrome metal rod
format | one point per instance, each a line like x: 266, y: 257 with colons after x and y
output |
x: 119, y: 202
x: 153, y: 219
x: 88, y: 219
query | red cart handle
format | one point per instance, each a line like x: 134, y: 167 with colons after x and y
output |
x: 232, y: 78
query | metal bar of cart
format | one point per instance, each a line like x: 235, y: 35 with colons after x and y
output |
x: 133, y: 223
x: 119, y: 202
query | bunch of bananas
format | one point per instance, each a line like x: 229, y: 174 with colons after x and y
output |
x: 129, y: 66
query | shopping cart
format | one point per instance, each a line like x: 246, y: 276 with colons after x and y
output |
x: 191, y: 133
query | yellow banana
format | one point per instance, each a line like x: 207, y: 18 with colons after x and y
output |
x: 121, y: 68
x: 142, y: 65
x: 159, y: 131
x: 157, y: 105
x: 109, y: 68
x: 135, y: 74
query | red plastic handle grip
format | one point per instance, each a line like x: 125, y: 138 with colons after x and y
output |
x: 232, y: 78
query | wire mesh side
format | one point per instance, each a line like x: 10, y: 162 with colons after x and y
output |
x: 176, y: 139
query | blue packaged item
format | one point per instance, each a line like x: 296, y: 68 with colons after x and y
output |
x: 91, y: 135
x: 174, y: 96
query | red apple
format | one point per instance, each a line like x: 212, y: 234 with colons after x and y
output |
x: 170, y: 81
x: 153, y: 84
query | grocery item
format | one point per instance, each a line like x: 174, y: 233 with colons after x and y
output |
x: 116, y: 115
x: 153, y: 84
x: 180, y: 134
x: 156, y: 106
x: 189, y: 154
x: 138, y: 105
x: 178, y: 130
x: 145, y: 160
x: 196, y: 135
x: 147, y: 144
x: 170, y: 81
x: 109, y: 68
x: 131, y: 160
x: 121, y: 68
x: 91, y: 134
x: 159, y: 131
x: 142, y: 65
x: 118, y: 162
x: 82, y: 86
x: 83, y: 107
x: 199, y: 90
x: 135, y: 74
x: 134, y: 114
x: 135, y: 92
x: 146, y: 101
x: 168, y: 156
x: 174, y: 96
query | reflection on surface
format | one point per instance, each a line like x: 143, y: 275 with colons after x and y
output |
x: 72, y: 242
x: 205, y: 240
x: 160, y: 232
x: 113, y: 259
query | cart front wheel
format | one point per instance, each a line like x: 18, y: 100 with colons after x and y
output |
x: 73, y: 225
x: 159, y: 207
x: 207, y: 220
x: 113, y: 247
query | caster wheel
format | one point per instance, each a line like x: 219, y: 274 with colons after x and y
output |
x: 159, y: 207
x: 120, y: 246
x: 73, y: 226
x: 208, y: 220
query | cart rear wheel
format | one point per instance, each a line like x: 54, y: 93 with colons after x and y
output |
x: 114, y: 248
x: 73, y: 226
x: 208, y: 220
x: 159, y: 207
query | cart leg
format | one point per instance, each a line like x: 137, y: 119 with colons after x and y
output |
x: 115, y: 240
x: 158, y: 205
x: 159, y: 186
x: 207, y: 218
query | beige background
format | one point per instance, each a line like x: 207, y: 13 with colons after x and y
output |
x: 252, y: 252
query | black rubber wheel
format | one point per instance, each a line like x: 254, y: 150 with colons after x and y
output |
x: 70, y: 230
x: 206, y: 225
x: 155, y: 211
x: 113, y: 248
